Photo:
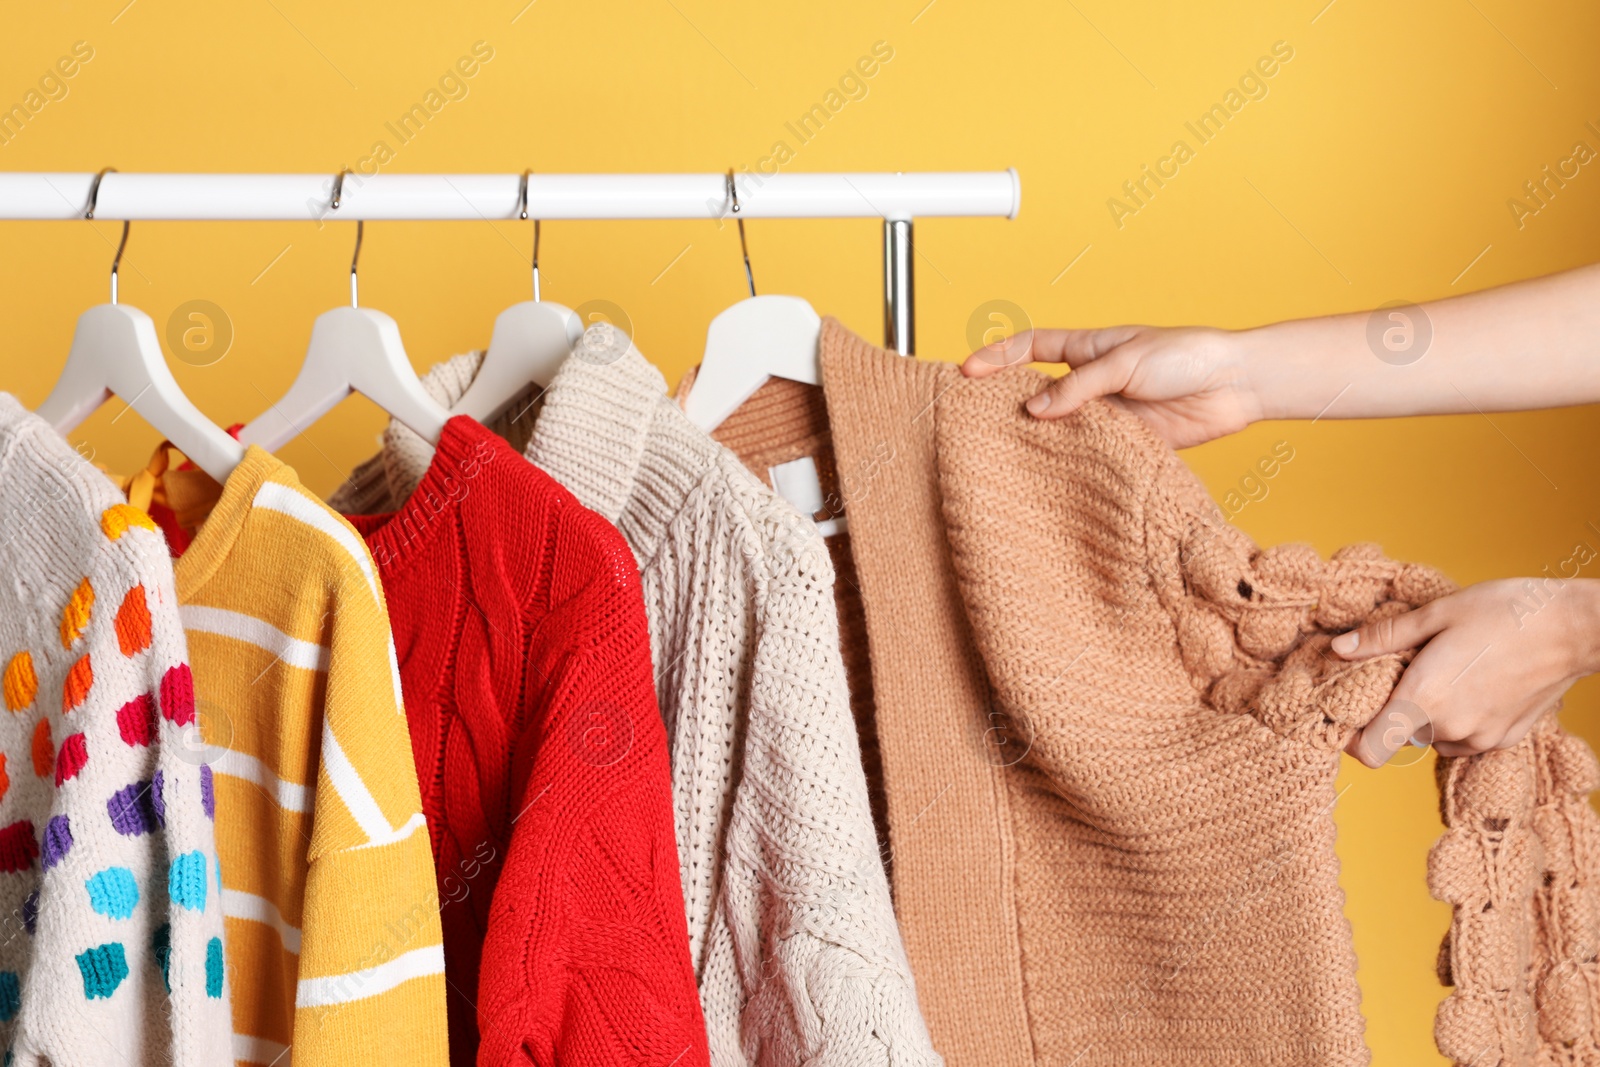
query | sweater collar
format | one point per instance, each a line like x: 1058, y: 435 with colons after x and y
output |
x: 464, y: 447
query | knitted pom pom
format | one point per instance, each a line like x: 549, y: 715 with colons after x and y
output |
x: 1497, y: 786
x: 1206, y: 641
x: 1563, y: 1002
x: 1270, y: 630
x: 1572, y: 765
x: 1357, y: 581
x: 1457, y: 870
x: 1466, y: 1031
x: 1417, y: 584
x: 1349, y: 696
x: 1579, y: 918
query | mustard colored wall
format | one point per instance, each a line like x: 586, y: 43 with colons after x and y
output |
x: 1374, y: 164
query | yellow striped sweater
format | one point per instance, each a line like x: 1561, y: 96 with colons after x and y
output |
x: 332, y: 918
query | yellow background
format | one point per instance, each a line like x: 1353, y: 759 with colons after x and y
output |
x: 1377, y: 168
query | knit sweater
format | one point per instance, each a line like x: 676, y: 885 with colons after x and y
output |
x: 113, y: 952
x: 525, y: 659
x: 792, y: 933
x: 327, y: 882
x: 1110, y: 730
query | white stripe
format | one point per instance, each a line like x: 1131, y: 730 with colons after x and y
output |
x: 353, y: 791
x: 290, y: 796
x: 281, y: 498
x: 260, y: 1050
x: 237, y: 904
x: 254, y: 631
x: 358, y: 985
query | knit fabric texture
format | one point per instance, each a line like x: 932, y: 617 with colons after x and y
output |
x: 525, y: 658
x: 783, y: 421
x: 327, y: 881
x: 113, y: 949
x: 792, y: 933
x: 1112, y: 721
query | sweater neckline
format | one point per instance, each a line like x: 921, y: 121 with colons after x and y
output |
x: 394, y: 537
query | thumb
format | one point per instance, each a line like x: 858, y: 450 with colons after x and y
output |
x: 1394, y: 634
x: 1067, y: 394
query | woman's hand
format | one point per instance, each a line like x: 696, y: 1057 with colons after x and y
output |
x: 1497, y: 656
x: 1188, y: 383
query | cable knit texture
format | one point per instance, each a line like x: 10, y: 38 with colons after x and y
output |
x: 1156, y: 752
x: 525, y: 663
x: 112, y: 951
x: 791, y: 927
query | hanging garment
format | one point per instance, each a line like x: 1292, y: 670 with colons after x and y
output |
x: 1111, y: 728
x: 791, y: 927
x: 327, y: 880
x: 526, y: 662
x: 784, y: 423
x: 113, y: 952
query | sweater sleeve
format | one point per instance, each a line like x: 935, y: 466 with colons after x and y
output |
x: 810, y: 925
x: 371, y: 981
x: 586, y: 959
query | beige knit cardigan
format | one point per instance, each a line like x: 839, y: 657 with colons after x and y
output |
x: 792, y: 932
x: 1110, y: 730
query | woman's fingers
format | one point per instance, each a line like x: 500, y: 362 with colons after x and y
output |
x: 1072, y: 347
x: 1069, y: 393
x: 1394, y: 634
x: 1390, y: 731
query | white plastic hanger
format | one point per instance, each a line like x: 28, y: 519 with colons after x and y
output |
x: 529, y: 344
x: 353, y: 350
x: 115, y: 352
x: 758, y: 338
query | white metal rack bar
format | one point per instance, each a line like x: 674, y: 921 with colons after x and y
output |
x: 896, y: 198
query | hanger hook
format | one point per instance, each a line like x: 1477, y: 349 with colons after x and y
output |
x: 361, y: 225
x: 94, y: 200
x: 522, y: 204
x: 733, y: 195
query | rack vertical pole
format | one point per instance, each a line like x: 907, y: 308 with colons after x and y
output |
x: 899, y: 308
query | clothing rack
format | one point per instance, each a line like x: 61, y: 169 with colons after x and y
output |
x: 896, y: 198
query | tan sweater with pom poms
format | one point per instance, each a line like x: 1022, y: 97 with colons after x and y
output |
x: 1110, y: 729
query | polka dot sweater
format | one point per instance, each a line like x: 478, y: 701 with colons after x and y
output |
x: 111, y: 950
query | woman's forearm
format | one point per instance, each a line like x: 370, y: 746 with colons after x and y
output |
x: 1532, y: 344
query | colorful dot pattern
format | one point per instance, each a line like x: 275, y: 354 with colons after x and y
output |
x: 71, y: 759
x: 113, y: 892
x: 133, y: 622
x: 132, y: 810
x: 57, y: 840
x: 18, y: 847
x: 136, y: 721
x: 76, y: 688
x: 177, y: 695
x: 75, y: 616
x: 138, y: 808
x: 20, y: 682
x: 103, y: 969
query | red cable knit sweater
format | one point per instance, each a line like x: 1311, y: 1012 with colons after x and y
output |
x: 525, y: 665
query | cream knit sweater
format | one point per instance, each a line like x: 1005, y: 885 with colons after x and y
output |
x: 112, y: 949
x: 792, y: 932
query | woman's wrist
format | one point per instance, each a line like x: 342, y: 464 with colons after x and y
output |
x: 1584, y: 633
